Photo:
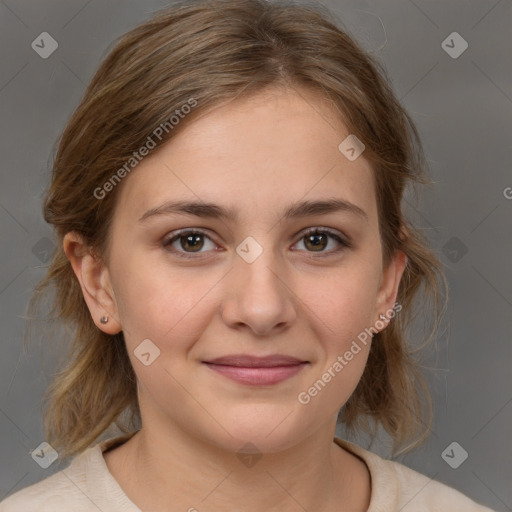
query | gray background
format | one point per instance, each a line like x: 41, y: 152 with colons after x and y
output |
x: 463, y: 110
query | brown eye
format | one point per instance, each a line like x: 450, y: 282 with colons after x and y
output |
x: 316, y: 241
x: 188, y: 242
x: 192, y: 243
x: 323, y: 241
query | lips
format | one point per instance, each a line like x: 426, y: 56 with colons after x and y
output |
x: 257, y: 371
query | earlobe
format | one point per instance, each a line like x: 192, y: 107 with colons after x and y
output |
x: 392, y: 275
x: 94, y: 279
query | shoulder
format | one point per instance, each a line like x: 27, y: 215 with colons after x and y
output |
x: 419, y: 492
x: 84, y: 486
x: 63, y: 490
x: 397, y: 487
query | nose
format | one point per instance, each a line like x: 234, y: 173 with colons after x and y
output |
x: 257, y: 297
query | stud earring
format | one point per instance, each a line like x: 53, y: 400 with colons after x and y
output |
x: 104, y: 319
x: 382, y: 317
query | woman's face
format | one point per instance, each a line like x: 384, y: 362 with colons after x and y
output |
x: 240, y: 272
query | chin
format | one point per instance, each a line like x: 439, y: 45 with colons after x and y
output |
x: 251, y: 441
x: 270, y: 430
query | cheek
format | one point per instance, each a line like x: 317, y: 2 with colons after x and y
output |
x: 172, y: 306
x: 342, y: 319
x: 341, y: 307
x: 161, y: 303
x: 172, y: 309
x: 342, y: 301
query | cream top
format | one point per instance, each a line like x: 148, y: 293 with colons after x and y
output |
x: 87, y: 485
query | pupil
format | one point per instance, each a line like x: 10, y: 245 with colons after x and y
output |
x: 193, y: 241
x: 315, y: 241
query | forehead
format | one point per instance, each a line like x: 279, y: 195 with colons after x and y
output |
x: 255, y: 155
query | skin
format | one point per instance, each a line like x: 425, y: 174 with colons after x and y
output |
x: 256, y: 155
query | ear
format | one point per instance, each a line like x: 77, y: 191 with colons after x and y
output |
x: 94, y: 279
x: 390, y: 281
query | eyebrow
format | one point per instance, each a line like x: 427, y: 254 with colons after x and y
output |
x: 212, y: 210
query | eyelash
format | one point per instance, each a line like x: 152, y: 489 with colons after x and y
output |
x: 344, y: 243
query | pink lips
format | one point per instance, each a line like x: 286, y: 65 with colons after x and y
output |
x: 257, y: 371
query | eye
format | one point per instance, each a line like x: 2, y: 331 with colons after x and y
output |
x: 318, y: 239
x: 189, y: 242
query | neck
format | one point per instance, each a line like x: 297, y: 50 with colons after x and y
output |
x: 164, y: 470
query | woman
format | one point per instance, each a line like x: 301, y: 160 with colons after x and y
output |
x: 237, y: 272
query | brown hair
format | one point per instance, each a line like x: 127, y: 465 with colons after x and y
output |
x: 215, y: 51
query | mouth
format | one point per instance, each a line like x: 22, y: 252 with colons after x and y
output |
x: 257, y: 371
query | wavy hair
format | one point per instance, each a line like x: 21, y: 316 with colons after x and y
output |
x: 216, y: 51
